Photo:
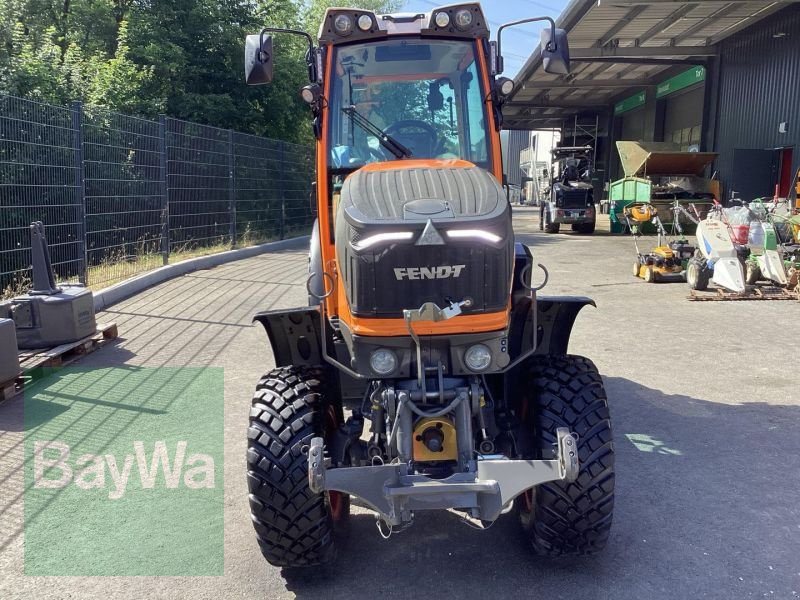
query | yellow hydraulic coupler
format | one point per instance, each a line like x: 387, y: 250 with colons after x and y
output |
x: 434, y: 440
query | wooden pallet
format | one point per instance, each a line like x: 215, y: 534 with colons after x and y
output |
x: 62, y: 355
x: 32, y: 360
x: 11, y: 388
x: 752, y: 293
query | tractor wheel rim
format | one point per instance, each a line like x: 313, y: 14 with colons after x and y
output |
x: 527, y: 498
x: 336, y: 503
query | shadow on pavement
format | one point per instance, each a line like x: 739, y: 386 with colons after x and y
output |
x: 706, y: 505
x: 11, y: 411
x: 80, y: 405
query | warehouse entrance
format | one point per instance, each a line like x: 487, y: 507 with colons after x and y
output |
x: 629, y: 126
x: 759, y: 173
x: 755, y: 171
x: 683, y: 118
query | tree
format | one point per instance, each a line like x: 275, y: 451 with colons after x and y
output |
x: 147, y: 57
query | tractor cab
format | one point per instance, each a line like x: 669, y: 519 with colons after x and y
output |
x: 406, y: 110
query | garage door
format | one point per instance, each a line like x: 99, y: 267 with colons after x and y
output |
x: 683, y: 118
x: 633, y: 125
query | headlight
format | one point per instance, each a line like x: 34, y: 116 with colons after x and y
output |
x: 383, y: 361
x: 364, y: 22
x: 343, y: 24
x: 463, y: 19
x: 505, y: 85
x: 442, y: 19
x: 478, y: 357
x: 310, y: 93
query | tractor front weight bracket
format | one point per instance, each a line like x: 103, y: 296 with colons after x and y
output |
x: 489, y: 485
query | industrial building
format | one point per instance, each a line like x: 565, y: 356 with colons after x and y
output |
x: 527, y: 160
x: 708, y: 75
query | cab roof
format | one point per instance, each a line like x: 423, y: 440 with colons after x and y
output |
x: 405, y: 23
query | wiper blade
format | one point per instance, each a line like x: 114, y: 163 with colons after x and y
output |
x: 387, y: 141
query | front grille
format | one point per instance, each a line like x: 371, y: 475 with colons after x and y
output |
x: 384, y: 282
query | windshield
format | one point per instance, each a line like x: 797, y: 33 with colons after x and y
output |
x: 424, y: 95
x: 573, y: 168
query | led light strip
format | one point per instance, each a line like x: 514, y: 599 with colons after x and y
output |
x: 383, y: 237
x: 478, y: 234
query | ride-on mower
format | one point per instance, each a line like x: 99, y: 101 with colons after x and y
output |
x: 423, y: 321
x: 665, y: 262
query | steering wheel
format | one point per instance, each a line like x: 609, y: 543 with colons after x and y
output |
x: 421, y: 143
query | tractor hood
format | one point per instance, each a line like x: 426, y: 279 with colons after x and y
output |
x: 416, y: 231
x: 419, y: 190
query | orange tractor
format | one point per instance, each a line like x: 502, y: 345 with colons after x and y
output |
x: 425, y: 373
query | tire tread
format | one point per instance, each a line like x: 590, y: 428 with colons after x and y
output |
x: 293, y: 525
x: 571, y: 518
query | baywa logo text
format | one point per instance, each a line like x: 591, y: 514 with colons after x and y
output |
x: 55, y: 467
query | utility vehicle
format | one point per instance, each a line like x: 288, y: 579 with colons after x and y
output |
x: 571, y: 198
x: 425, y: 373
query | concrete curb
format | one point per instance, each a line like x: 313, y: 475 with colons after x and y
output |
x: 125, y: 289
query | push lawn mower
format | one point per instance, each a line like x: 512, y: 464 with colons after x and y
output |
x: 665, y: 262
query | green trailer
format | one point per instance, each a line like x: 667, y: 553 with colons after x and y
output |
x: 660, y: 173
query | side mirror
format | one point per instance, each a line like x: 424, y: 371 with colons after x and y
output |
x: 258, y: 59
x: 555, y: 52
x: 435, y: 97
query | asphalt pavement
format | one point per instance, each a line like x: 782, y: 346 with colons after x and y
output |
x: 705, y: 403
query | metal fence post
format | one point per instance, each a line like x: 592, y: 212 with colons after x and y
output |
x: 281, y: 182
x: 77, y: 146
x: 162, y: 135
x: 232, y: 188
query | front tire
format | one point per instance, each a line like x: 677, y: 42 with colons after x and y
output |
x: 752, y: 273
x: 294, y: 526
x: 548, y: 226
x: 697, y: 274
x: 560, y: 518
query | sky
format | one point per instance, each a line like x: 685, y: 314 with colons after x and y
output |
x: 518, y: 42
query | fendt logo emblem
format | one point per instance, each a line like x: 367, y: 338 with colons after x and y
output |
x: 442, y: 272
